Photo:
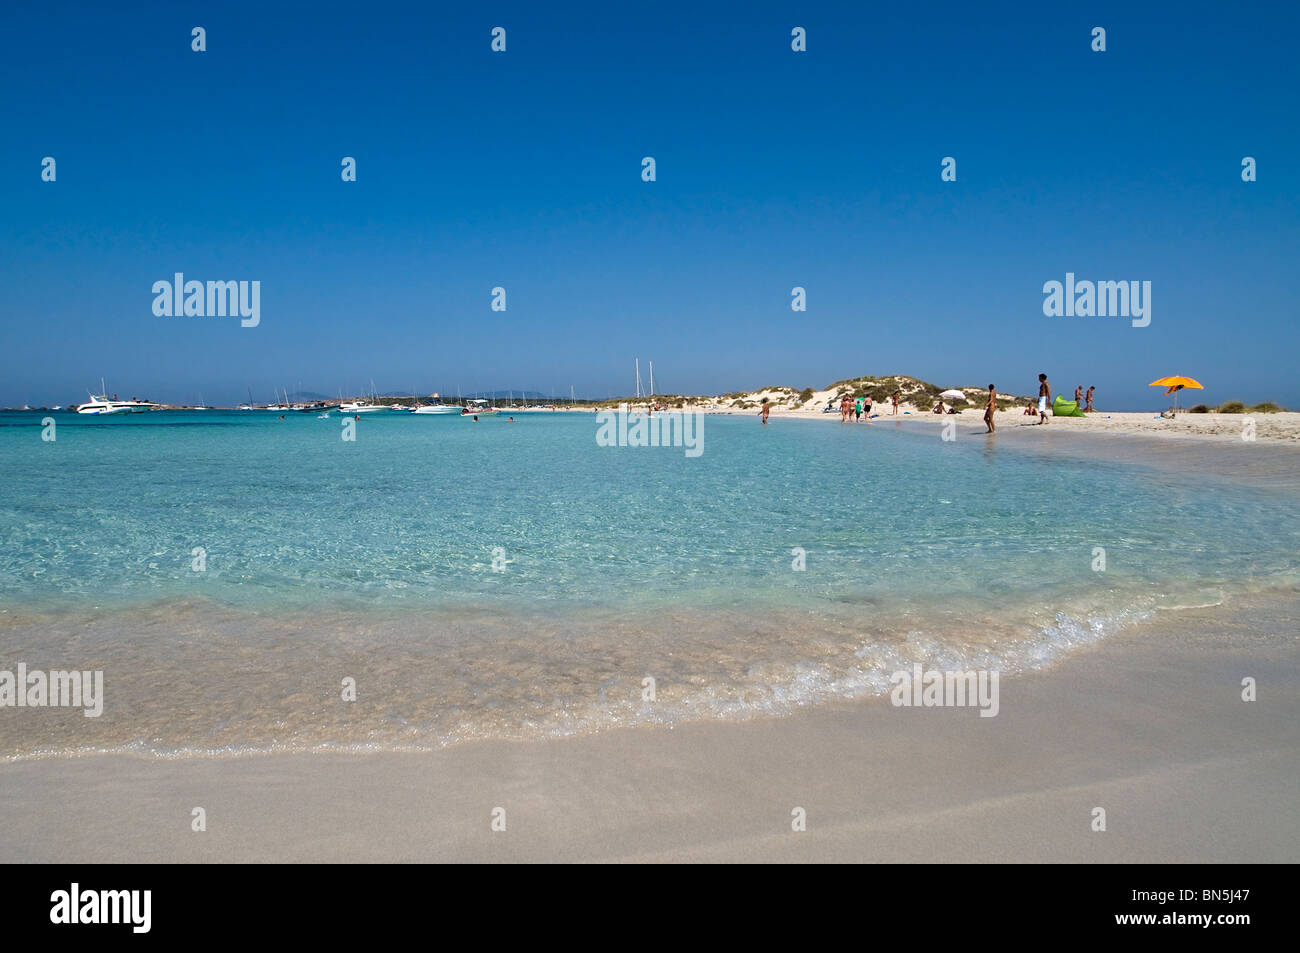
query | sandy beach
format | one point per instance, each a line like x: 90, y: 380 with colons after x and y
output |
x: 1149, y: 725
x: 1219, y: 428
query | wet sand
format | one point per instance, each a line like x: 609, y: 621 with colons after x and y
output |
x: 1149, y: 725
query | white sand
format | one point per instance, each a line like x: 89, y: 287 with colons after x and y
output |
x: 1267, y: 428
x: 1148, y: 725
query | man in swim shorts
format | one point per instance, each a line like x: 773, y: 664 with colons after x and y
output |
x: 1044, y: 397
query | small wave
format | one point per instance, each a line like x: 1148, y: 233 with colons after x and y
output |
x: 538, y: 688
x: 1208, y: 601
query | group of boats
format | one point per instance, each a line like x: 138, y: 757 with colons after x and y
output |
x: 371, y: 405
x: 479, y: 407
x: 101, y: 405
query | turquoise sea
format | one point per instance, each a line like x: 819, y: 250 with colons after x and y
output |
x: 515, y: 579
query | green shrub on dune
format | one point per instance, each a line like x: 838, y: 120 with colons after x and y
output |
x: 1237, y: 407
x: 918, y: 393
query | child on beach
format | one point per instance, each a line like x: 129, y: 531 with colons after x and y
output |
x: 857, y: 408
x: 1044, y: 398
x: 990, y: 409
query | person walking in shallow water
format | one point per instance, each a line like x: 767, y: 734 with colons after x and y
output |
x: 767, y: 408
x: 1044, y: 397
x: 990, y: 409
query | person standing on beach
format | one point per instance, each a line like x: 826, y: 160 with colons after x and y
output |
x: 894, y: 397
x: 1078, y: 396
x: 990, y: 409
x: 1044, y: 397
x: 1088, y: 409
x: 767, y: 408
x: 866, y: 407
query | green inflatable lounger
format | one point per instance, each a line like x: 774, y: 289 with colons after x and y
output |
x: 1066, y: 408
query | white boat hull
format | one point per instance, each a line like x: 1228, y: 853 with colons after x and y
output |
x: 101, y: 407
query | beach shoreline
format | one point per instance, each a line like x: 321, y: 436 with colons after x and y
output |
x: 1281, y: 428
x: 1149, y: 725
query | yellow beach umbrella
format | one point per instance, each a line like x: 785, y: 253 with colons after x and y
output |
x: 1179, y: 382
x: 1175, y: 384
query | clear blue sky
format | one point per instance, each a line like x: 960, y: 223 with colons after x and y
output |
x: 775, y: 169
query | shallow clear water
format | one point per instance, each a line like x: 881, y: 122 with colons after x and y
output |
x: 374, y: 559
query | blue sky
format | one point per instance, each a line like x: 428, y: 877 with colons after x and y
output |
x: 522, y: 169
